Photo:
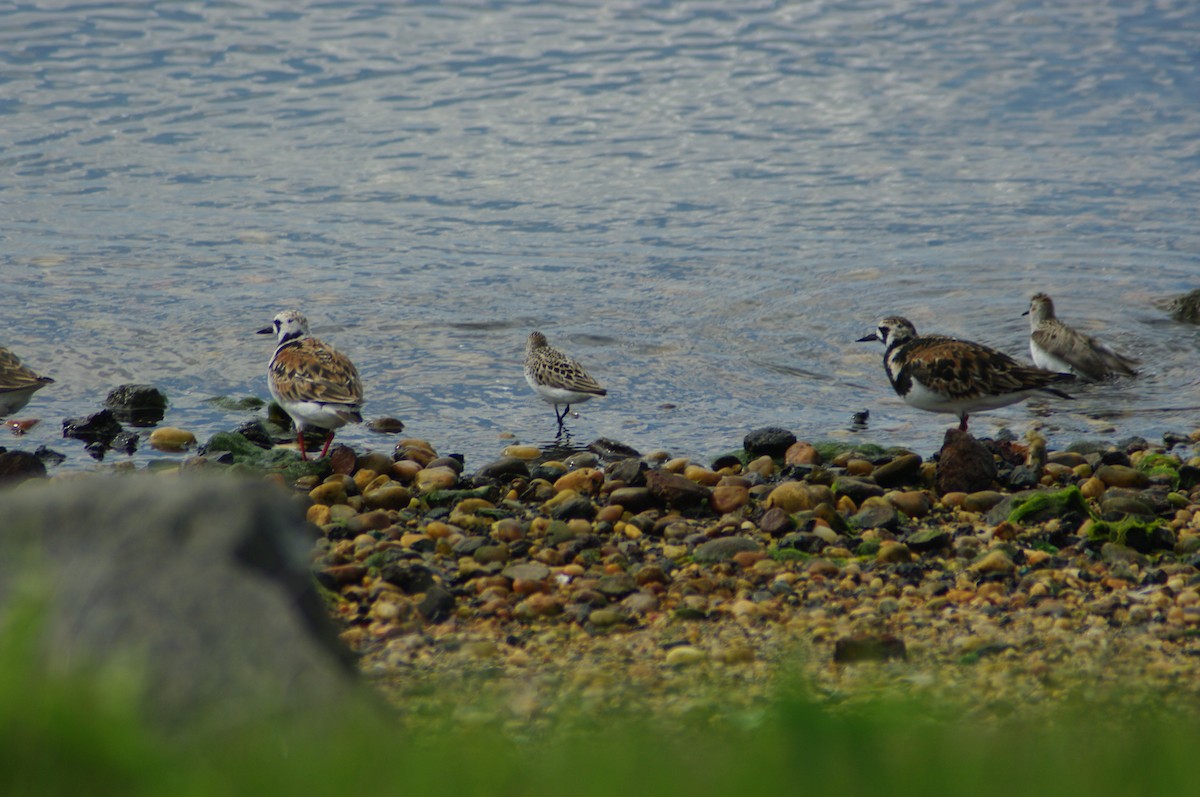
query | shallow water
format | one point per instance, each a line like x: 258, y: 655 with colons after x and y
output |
x: 704, y: 205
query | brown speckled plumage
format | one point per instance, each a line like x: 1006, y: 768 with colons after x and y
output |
x: 17, y: 382
x: 556, y: 377
x: 943, y: 374
x: 1053, y: 344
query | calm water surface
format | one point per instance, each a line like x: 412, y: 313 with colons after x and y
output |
x: 705, y: 205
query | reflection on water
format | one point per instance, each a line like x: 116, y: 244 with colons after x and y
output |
x: 706, y: 204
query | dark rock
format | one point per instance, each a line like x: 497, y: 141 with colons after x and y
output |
x: 770, y: 441
x: 611, y: 449
x: 857, y: 490
x: 903, y: 469
x: 630, y: 470
x: 868, y: 648
x: 1186, y: 308
x: 678, y: 492
x: 437, y: 605
x: 776, y: 522
x: 201, y: 583
x: 410, y: 578
x: 616, y: 585
x: 256, y: 432
x: 929, y: 539
x: 48, y: 456
x: 804, y: 541
x: 126, y: 442
x: 723, y: 549
x: 578, y: 506
x: 875, y: 513
x: 725, y: 461
x: 17, y: 466
x: 1022, y: 477
x: 1125, y: 505
x: 137, y: 405
x: 634, y: 499
x: 502, y: 470
x: 964, y: 464
x: 99, y: 427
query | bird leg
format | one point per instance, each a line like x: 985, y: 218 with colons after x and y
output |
x: 564, y: 413
x: 300, y: 440
x: 328, y: 441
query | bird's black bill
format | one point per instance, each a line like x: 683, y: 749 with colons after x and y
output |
x: 872, y: 336
x: 266, y: 331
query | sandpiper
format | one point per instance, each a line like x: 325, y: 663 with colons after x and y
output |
x: 17, y: 383
x: 556, y: 377
x: 943, y: 374
x: 1058, y: 347
x: 314, y: 383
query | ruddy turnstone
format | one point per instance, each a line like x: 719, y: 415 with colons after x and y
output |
x: 17, y: 383
x: 942, y: 374
x: 556, y: 377
x: 314, y: 383
x: 1056, y: 346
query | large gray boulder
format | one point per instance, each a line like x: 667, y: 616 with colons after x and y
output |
x: 200, y: 584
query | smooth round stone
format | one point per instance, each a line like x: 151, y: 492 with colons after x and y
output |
x: 521, y: 452
x: 318, y: 515
x: 582, y: 459
x: 364, y: 476
x: 685, y: 656
x: 404, y: 470
x: 603, y: 618
x: 375, y: 520
x: 341, y: 513
x: 376, y: 461
x: 801, y: 453
x: 902, y: 469
x: 791, y: 496
x: 453, y: 463
x: 982, y: 500
x: 526, y: 571
x: 701, y: 475
x: 328, y: 493
x: 170, y: 438
x: 764, y: 466
x: 676, y: 465
x: 994, y: 562
x: 429, y: 479
x: 728, y: 497
x: 954, y: 500
x: 859, y: 467
x: 914, y: 503
x: 583, y: 480
x: 391, y: 496
x: 893, y: 552
x: 1122, y: 476
x: 772, y: 441
x: 1093, y: 488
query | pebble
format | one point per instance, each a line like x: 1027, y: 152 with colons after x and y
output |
x: 685, y: 656
x: 170, y: 438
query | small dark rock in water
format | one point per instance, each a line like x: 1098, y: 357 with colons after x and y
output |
x: 869, y: 648
x: 126, y: 442
x: 386, y: 425
x: 611, y: 449
x: 858, y: 421
x: 965, y: 465
x: 1186, y: 308
x: 256, y: 433
x: 770, y: 441
x: 17, y: 466
x: 100, y: 427
x: 49, y: 457
x: 137, y: 405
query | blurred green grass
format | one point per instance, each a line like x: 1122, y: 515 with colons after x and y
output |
x: 82, y: 734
